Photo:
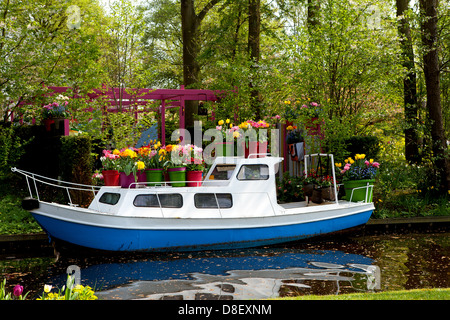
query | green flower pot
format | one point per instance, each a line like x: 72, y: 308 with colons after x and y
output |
x: 358, y: 194
x: 178, y: 175
x: 154, y: 176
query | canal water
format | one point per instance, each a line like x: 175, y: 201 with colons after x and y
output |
x: 328, y: 265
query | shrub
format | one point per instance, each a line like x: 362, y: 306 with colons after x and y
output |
x: 290, y: 189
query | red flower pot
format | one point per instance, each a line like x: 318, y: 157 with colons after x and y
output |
x: 111, y: 177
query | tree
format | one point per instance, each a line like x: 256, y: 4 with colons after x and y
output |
x: 409, y: 83
x: 254, y: 27
x: 122, y: 47
x: 40, y: 46
x: 190, y: 25
x: 431, y: 66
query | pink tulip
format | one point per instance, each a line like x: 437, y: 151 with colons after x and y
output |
x: 17, y: 291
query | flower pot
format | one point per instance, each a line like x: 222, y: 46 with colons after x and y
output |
x: 126, y: 180
x: 308, y: 189
x: 48, y: 124
x: 358, y: 194
x: 328, y: 193
x: 255, y: 147
x: 178, y: 176
x: 262, y: 149
x: 194, y: 178
x: 317, y: 196
x: 154, y: 176
x: 111, y: 177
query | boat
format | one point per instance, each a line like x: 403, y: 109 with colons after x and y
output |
x: 234, y: 207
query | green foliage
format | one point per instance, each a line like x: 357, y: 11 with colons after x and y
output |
x: 11, y: 149
x: 76, y: 165
x: 290, y: 189
x: 14, y: 219
x: 417, y: 294
x: 404, y: 190
x: 368, y: 145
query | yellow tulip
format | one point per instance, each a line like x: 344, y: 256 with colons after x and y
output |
x: 227, y: 121
x: 220, y: 122
x: 140, y: 165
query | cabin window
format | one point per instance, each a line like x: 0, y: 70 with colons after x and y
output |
x: 222, y: 172
x: 110, y: 198
x: 253, y: 172
x: 167, y: 200
x: 213, y: 200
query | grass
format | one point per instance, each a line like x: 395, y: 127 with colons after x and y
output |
x: 14, y: 219
x: 416, y: 294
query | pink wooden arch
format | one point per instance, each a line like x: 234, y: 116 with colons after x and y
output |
x: 129, y: 100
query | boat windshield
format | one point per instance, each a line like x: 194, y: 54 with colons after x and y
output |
x: 222, y: 172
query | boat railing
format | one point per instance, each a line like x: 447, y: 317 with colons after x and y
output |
x: 33, y: 180
x: 367, y: 187
x: 333, y: 173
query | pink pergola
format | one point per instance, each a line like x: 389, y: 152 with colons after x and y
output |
x: 130, y: 99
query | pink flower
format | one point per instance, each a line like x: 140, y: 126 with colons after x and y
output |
x: 17, y: 291
x: 376, y: 164
x: 367, y: 163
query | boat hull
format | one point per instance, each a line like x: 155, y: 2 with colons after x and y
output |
x: 115, y: 233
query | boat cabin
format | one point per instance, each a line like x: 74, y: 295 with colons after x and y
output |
x: 232, y: 186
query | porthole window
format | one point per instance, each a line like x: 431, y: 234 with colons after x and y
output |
x: 253, y: 172
x: 109, y: 198
x: 213, y: 200
x: 167, y: 200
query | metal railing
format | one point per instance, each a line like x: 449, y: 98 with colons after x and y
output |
x: 367, y: 187
x: 32, y: 180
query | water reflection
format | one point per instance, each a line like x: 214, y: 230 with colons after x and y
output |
x: 249, y: 274
x: 327, y: 266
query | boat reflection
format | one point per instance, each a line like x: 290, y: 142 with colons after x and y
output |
x: 248, y: 274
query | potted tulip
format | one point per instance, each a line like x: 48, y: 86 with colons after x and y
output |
x: 358, y: 173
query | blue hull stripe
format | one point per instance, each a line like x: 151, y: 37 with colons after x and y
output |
x: 114, y: 239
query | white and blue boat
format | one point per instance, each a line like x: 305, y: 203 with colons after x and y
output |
x: 234, y: 207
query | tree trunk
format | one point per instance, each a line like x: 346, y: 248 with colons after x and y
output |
x: 312, y: 15
x: 254, y: 28
x: 409, y: 85
x: 191, y: 69
x: 190, y: 25
x: 432, y: 82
